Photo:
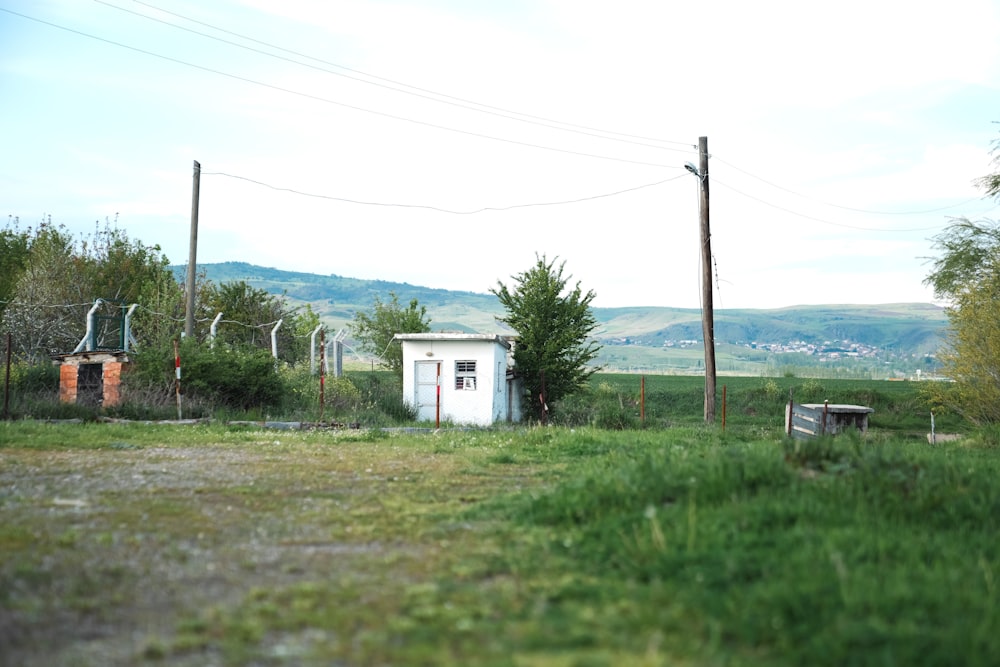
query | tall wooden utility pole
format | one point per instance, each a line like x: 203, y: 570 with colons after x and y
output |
x: 193, y: 256
x: 707, y: 311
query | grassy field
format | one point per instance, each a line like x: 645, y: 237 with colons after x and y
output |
x: 128, y: 544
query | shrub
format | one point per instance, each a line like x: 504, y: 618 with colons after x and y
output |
x: 224, y: 377
x: 34, y: 391
x: 34, y: 378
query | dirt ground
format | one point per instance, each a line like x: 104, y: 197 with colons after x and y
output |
x: 106, y: 551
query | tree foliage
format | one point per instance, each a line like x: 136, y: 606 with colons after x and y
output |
x: 990, y: 183
x: 49, y: 281
x: 967, y: 274
x: 13, y: 258
x: 249, y: 314
x: 554, y: 326
x: 374, y: 332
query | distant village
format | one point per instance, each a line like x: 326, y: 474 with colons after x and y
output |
x: 825, y: 351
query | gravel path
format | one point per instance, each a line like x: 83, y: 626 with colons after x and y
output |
x: 107, y: 550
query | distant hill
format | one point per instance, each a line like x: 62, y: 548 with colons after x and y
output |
x: 908, y: 329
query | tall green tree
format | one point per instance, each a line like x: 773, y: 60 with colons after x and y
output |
x: 49, y: 280
x: 554, y: 324
x: 13, y: 258
x: 46, y: 311
x: 967, y: 275
x: 374, y: 331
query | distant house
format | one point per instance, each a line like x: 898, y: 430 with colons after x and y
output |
x: 460, y: 378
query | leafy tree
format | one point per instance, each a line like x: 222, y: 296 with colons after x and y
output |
x: 553, y: 325
x: 250, y: 314
x: 126, y: 271
x: 51, y: 280
x: 45, y: 313
x: 13, y: 258
x: 968, y: 275
x: 375, y: 331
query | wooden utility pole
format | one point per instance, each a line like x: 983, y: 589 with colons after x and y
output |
x: 707, y: 311
x: 193, y: 256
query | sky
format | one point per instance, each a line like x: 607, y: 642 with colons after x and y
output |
x: 451, y: 143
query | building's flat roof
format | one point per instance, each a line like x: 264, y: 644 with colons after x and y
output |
x: 440, y: 337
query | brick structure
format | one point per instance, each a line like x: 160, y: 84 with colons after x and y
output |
x: 67, y: 382
x: 91, y: 377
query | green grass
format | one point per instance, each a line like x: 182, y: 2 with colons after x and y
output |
x: 546, y: 547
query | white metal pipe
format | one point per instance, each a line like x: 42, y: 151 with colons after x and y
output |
x: 214, y: 328
x: 274, y: 339
x: 128, y: 326
x: 312, y: 350
x: 85, y: 342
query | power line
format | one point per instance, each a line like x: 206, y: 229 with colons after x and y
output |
x: 456, y: 102
x: 687, y: 144
x: 334, y: 102
x: 845, y: 208
x: 435, y: 208
x: 716, y: 181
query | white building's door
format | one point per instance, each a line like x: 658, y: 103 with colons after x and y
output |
x: 428, y: 397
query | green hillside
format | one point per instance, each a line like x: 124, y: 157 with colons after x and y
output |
x: 865, y: 338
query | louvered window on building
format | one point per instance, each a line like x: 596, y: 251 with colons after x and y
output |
x: 465, y: 375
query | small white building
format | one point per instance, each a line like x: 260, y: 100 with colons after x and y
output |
x: 473, y: 372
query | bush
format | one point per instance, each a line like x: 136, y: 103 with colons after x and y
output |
x: 224, y: 377
x: 34, y: 391
x: 34, y: 378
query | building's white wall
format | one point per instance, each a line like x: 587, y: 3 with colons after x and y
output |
x: 484, y: 405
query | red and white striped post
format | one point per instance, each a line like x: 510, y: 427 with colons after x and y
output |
x: 437, y: 410
x: 177, y: 381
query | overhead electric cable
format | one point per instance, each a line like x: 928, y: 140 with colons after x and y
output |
x: 846, y: 208
x: 716, y: 181
x: 451, y: 102
x: 334, y: 102
x: 435, y: 208
x: 687, y: 144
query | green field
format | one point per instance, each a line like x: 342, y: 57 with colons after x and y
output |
x: 131, y: 544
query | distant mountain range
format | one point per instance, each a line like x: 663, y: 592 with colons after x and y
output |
x: 908, y: 329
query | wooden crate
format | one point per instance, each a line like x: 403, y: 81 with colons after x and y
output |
x: 810, y: 420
